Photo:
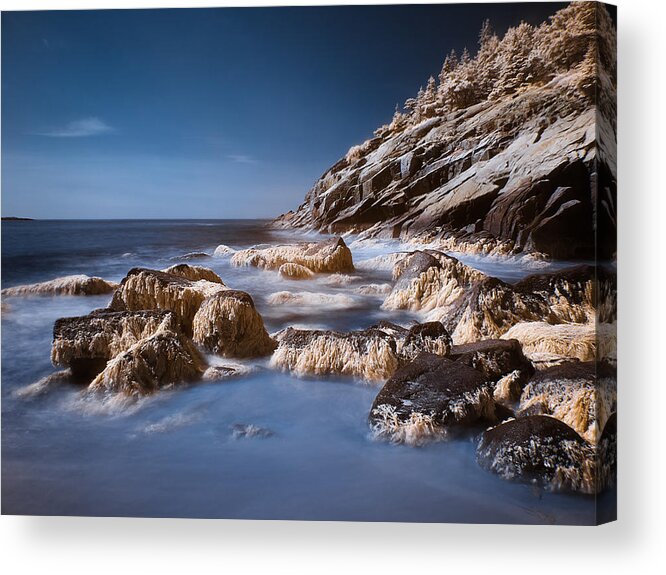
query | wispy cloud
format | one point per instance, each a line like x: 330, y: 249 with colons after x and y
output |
x: 242, y: 159
x: 79, y: 129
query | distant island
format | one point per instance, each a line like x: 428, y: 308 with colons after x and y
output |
x: 15, y: 219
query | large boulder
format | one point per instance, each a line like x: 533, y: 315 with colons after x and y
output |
x: 328, y: 256
x: 501, y: 362
x: 157, y: 362
x: 67, y: 285
x: 194, y: 273
x: 85, y: 344
x: 228, y: 324
x: 581, y: 394
x: 430, y: 396
x: 373, y: 354
x: 145, y: 289
x: 539, y: 449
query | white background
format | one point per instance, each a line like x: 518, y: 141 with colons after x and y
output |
x: 635, y: 543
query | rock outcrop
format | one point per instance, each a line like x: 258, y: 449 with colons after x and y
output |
x: 67, y: 285
x: 328, y: 256
x: 373, y: 354
x: 511, y: 151
x: 540, y: 449
x: 228, y: 324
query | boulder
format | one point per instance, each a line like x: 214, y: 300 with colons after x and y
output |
x: 328, y: 256
x: 373, y: 354
x: 501, y: 362
x: 295, y: 271
x: 67, y: 285
x: 227, y: 323
x: 145, y: 289
x: 581, y: 394
x: 428, y: 397
x: 551, y: 344
x: 194, y: 273
x: 85, y: 344
x: 157, y: 362
x: 539, y: 449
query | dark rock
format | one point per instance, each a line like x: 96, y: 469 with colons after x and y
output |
x: 542, y: 450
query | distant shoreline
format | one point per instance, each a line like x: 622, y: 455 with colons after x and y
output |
x: 15, y: 219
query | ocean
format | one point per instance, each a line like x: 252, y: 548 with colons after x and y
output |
x: 176, y: 453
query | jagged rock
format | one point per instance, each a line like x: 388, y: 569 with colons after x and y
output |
x: 156, y: 362
x: 501, y: 362
x: 295, y: 271
x: 540, y: 449
x: 67, y: 285
x: 427, y: 397
x: 373, y: 354
x: 144, y: 289
x: 328, y: 256
x: 194, y: 273
x: 570, y: 293
x: 471, y: 305
x: 227, y: 323
x: 581, y: 394
x: 85, y: 344
x: 527, y: 165
x: 226, y: 371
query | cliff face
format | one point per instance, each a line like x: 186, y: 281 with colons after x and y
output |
x: 513, y: 149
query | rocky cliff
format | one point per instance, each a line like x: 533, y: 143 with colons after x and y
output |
x: 512, y: 150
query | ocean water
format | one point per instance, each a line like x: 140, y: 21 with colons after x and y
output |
x: 175, y: 454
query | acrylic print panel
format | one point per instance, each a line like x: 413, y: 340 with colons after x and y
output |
x: 197, y: 323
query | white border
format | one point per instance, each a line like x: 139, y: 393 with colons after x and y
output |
x: 100, y: 546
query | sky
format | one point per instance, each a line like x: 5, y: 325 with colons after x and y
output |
x: 209, y: 113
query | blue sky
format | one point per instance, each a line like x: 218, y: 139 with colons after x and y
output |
x: 208, y: 113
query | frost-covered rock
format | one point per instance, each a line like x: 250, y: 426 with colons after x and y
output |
x: 145, y: 289
x: 295, y: 271
x: 67, y: 285
x: 373, y: 354
x: 472, y: 305
x: 550, y: 344
x: 227, y: 323
x: 501, y: 362
x: 85, y: 344
x: 194, y: 273
x: 328, y: 256
x: 156, y: 362
x: 582, y: 395
x: 540, y: 449
x: 429, y: 396
x: 222, y: 251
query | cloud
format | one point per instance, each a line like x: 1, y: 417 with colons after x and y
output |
x: 242, y: 159
x: 79, y: 129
